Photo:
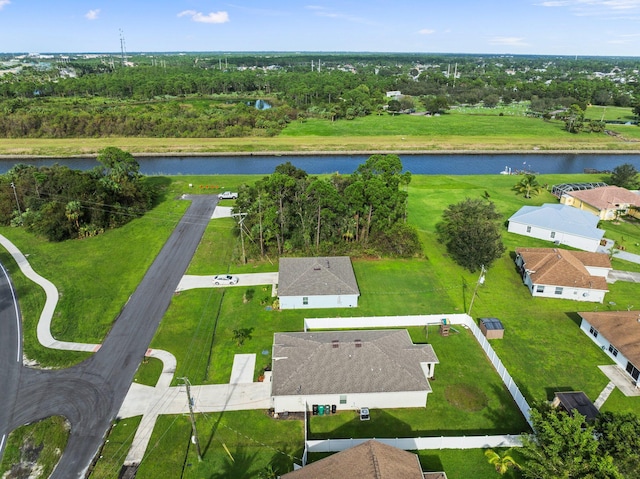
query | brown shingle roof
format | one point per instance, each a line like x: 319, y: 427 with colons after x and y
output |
x: 621, y: 328
x: 553, y: 266
x: 369, y: 460
x: 341, y: 362
x: 607, y: 197
x: 316, y: 276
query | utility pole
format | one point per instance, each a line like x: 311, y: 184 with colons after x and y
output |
x: 13, y: 185
x: 194, y: 431
x: 241, y: 224
x: 481, y: 279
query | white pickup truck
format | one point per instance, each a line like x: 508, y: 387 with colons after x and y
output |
x: 228, y: 195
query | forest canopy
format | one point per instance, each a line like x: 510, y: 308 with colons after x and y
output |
x: 290, y: 212
x: 60, y: 203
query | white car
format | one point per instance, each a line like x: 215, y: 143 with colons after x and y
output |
x: 364, y: 414
x: 225, y: 279
x: 228, y: 195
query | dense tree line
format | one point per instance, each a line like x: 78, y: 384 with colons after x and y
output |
x: 290, y: 212
x: 59, y: 203
x: 564, y: 446
x: 55, y: 119
x: 149, y: 99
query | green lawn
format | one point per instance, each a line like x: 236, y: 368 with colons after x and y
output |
x: 234, y: 445
x: 543, y: 348
x: 35, y: 446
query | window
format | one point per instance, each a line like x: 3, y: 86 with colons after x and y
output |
x: 305, y: 300
x: 558, y: 289
x: 593, y: 331
x: 539, y: 289
x: 633, y: 371
x: 613, y: 350
x: 343, y: 399
x: 553, y: 234
x: 528, y: 229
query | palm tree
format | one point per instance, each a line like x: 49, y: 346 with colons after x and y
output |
x: 502, y: 462
x: 528, y: 186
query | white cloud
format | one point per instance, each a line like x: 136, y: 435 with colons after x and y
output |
x: 92, y: 14
x: 4, y: 3
x: 594, y: 7
x: 508, y: 41
x: 213, y: 17
x: 426, y: 31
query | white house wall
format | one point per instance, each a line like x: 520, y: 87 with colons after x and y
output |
x: 579, y: 242
x: 326, y: 301
x: 575, y: 294
x: 602, y: 342
x: 353, y: 401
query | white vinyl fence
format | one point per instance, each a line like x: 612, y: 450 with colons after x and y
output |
x: 420, y: 443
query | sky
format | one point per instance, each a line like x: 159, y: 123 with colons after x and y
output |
x: 541, y: 27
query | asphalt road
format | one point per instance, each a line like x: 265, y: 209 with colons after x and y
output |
x: 89, y: 394
x: 10, y: 352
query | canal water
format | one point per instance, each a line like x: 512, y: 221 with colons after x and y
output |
x: 431, y: 164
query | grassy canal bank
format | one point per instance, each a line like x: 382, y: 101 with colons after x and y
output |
x: 456, y: 131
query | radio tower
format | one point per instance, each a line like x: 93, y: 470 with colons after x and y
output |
x: 122, y: 49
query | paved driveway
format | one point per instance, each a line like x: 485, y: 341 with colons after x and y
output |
x: 628, y: 276
x: 250, y: 279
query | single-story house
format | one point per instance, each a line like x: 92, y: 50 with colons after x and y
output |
x: 349, y: 370
x: 319, y: 282
x: 575, y: 401
x: 606, y: 202
x: 561, y: 224
x: 369, y: 460
x: 618, y: 334
x: 558, y: 273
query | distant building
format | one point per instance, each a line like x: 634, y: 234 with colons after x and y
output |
x: 560, y: 224
x: 606, y: 202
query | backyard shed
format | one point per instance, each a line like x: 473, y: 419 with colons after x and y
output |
x: 575, y: 401
x: 492, y: 328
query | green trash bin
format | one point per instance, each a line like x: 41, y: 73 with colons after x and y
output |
x: 321, y: 410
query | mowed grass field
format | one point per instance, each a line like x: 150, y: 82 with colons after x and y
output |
x: 543, y: 347
x: 463, y: 129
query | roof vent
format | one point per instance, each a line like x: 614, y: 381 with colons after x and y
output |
x: 335, y: 344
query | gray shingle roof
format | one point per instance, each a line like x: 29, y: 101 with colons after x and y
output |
x: 331, y: 362
x: 561, y: 218
x: 319, y: 276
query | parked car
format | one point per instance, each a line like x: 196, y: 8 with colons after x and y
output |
x: 225, y: 279
x: 228, y: 195
x: 364, y: 414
